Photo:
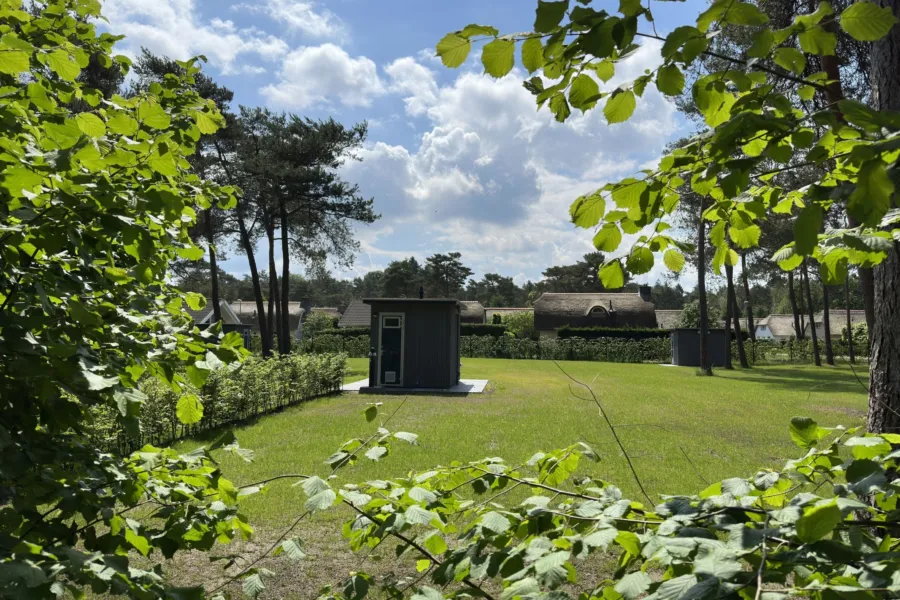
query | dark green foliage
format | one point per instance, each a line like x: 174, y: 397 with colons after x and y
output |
x: 228, y: 396
x: 592, y: 333
x: 654, y: 350
x: 491, y: 329
x: 353, y: 346
x: 348, y: 331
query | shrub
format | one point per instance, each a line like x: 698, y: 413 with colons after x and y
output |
x: 350, y: 331
x: 520, y: 324
x: 353, y: 347
x: 317, y: 323
x: 603, y: 349
x: 482, y: 329
x: 592, y: 333
x: 228, y: 395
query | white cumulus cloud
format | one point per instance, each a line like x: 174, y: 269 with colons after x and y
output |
x: 299, y: 16
x: 326, y: 74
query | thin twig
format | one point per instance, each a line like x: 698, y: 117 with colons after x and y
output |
x: 612, y: 429
x: 762, y: 562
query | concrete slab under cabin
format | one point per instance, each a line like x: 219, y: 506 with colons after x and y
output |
x: 465, y: 386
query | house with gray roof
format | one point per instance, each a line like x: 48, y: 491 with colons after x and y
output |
x: 668, y: 319
x: 776, y: 327
x: 357, y: 314
x: 471, y: 311
x: 555, y: 310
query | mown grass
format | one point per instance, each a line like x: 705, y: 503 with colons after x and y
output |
x: 728, y: 425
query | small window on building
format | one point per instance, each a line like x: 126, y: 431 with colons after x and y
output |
x: 393, y: 322
x: 599, y: 311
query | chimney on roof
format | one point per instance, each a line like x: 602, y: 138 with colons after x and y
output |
x: 342, y: 308
x: 421, y: 292
x: 646, y: 293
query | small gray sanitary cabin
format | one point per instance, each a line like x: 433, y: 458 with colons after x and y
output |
x: 415, y: 343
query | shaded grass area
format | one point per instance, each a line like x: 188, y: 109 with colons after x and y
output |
x: 728, y: 425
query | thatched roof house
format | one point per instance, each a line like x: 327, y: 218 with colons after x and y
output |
x: 837, y: 320
x: 246, y: 311
x: 668, y: 319
x: 775, y: 327
x: 471, y: 311
x: 358, y: 314
x: 553, y: 311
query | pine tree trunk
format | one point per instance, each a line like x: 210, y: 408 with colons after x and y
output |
x: 850, y: 350
x: 802, y: 308
x: 273, y: 282
x: 705, y: 367
x: 729, y: 311
x: 884, y: 374
x: 804, y: 276
x: 254, y: 276
x: 736, y: 314
x: 798, y: 329
x: 751, y: 329
x: 213, y: 266
x: 285, y: 327
x: 826, y: 322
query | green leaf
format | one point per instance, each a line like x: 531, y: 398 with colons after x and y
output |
x: 90, y: 125
x: 620, y: 106
x: 13, y: 62
x: 410, y: 438
x: 253, y: 585
x: 152, y: 115
x: 138, y: 542
x: 791, y: 59
x: 532, y: 54
x: 816, y: 40
x: 763, y: 41
x: 497, y: 57
x: 866, y: 21
x: 422, y: 565
x: 670, y: 80
x: 63, y: 65
x: 559, y: 107
x: 807, y: 228
x: 523, y: 588
x: 205, y: 123
x: 293, y: 549
x: 611, y: 275
x: 744, y: 13
x: 633, y: 585
x: 371, y: 412
x: 872, y: 197
x: 584, y: 92
x: 640, y: 260
x: 674, y: 260
x: 608, y: 238
x: 417, y: 515
x: 453, y: 50
x: 495, y: 522
x: 818, y: 521
x: 674, y: 589
x: 605, y: 70
x: 587, y: 210
x: 189, y: 409
x: 20, y: 179
x: 629, y: 542
x: 548, y: 15
x: 320, y: 501
x: 745, y: 238
x: 473, y: 29
x: 376, y: 452
x: 805, y: 432
x: 122, y: 124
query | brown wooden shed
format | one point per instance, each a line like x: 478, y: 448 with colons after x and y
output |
x: 415, y: 343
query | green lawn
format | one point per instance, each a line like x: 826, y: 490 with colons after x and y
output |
x: 729, y: 425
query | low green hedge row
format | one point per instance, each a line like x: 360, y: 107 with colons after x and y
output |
x: 653, y: 350
x: 592, y: 333
x: 255, y: 387
x: 482, y: 329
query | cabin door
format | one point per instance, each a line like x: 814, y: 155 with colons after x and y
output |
x: 390, y: 363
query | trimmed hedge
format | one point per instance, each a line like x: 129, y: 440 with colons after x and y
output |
x: 254, y: 388
x: 792, y: 352
x: 353, y: 347
x: 653, y: 350
x: 348, y: 332
x: 482, y: 329
x: 593, y: 333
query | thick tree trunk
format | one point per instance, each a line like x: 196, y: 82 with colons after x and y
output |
x: 884, y: 374
x: 798, y: 328
x: 285, y: 326
x: 736, y: 313
x: 850, y: 350
x: 729, y: 311
x: 826, y: 322
x: 273, y: 288
x: 804, y: 276
x: 254, y: 276
x: 213, y: 266
x: 751, y: 328
x: 705, y: 366
x: 834, y: 93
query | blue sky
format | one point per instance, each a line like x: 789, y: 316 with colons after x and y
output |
x: 456, y: 160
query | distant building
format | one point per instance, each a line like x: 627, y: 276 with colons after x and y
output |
x: 837, y: 318
x: 775, y: 327
x: 668, y: 319
x: 553, y: 311
x: 358, y: 314
x: 471, y: 311
x: 231, y: 321
x: 246, y: 310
